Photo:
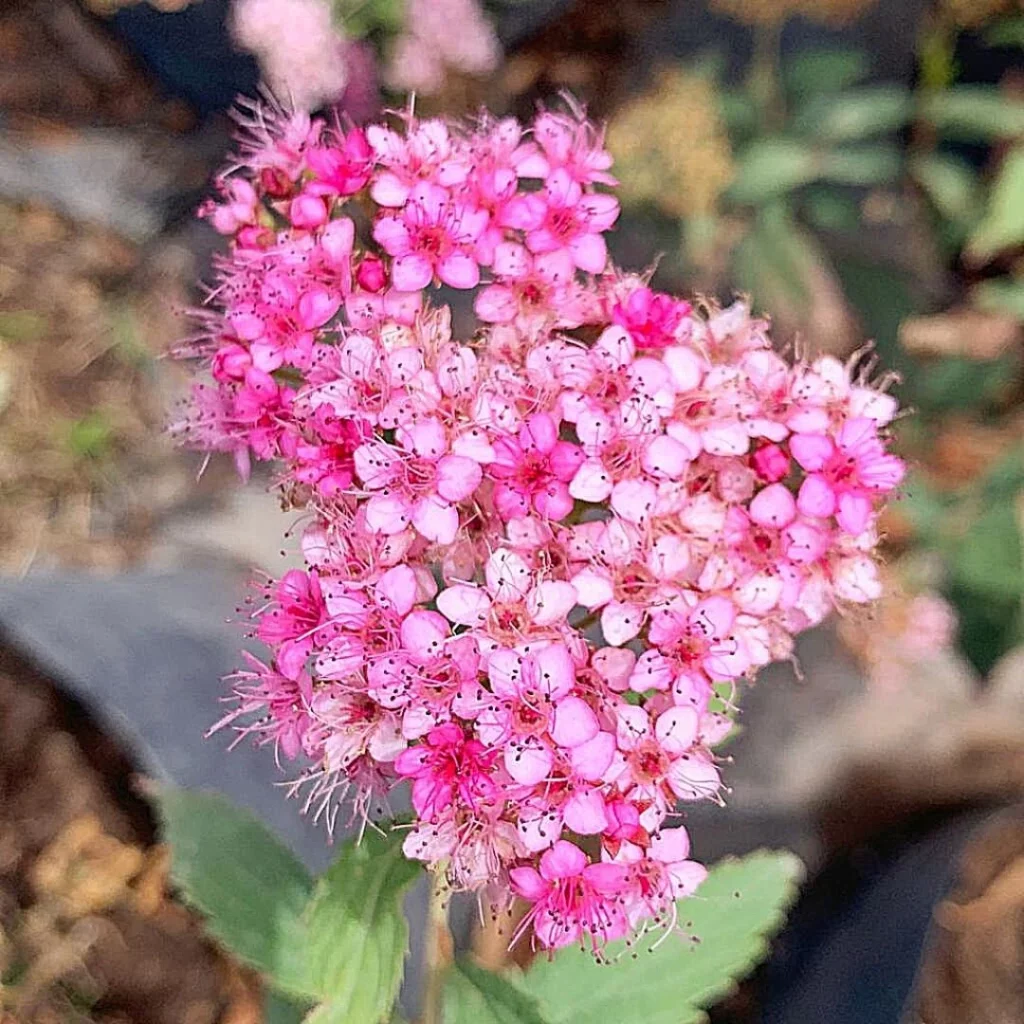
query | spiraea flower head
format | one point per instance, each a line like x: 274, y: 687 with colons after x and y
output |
x: 540, y: 559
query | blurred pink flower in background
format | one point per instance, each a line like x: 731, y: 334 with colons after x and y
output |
x: 441, y: 34
x: 301, y: 52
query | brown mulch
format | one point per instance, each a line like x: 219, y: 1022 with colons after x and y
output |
x: 88, y: 931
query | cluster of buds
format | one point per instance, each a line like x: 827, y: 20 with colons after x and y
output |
x: 538, y: 560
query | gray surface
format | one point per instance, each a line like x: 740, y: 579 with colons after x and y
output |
x: 146, y: 653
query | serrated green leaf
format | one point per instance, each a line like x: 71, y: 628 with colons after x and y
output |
x: 854, y: 114
x: 250, y: 887
x: 1002, y: 227
x: 475, y: 996
x: 827, y: 70
x: 769, y: 168
x: 358, y: 935
x: 973, y: 113
x: 738, y: 907
x: 950, y: 184
x: 864, y: 165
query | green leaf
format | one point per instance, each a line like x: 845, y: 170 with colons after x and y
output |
x: 1003, y: 224
x: 279, y: 1010
x: 973, y: 113
x: 950, y: 184
x: 865, y: 165
x: 989, y: 560
x: 961, y: 383
x: 249, y: 886
x: 923, y: 507
x: 358, y: 935
x: 90, y: 438
x: 1003, y: 295
x: 1005, y: 32
x: 825, y: 70
x: 854, y: 114
x: 475, y: 996
x: 832, y: 209
x: 775, y: 259
x: 360, y: 18
x: 741, y: 903
x: 22, y: 325
x: 769, y: 168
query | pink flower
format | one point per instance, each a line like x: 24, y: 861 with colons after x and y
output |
x: 703, y: 636
x: 428, y: 44
x: 419, y: 483
x: 846, y: 474
x: 447, y: 766
x: 533, y: 469
x: 550, y: 652
x: 661, y: 758
x: 281, y: 706
x: 661, y: 875
x: 511, y: 590
x: 573, y: 900
x: 651, y: 318
x: 562, y: 218
x: 533, y: 711
x: 571, y: 143
x: 297, y: 45
x: 342, y: 163
x: 291, y: 622
x: 433, y: 234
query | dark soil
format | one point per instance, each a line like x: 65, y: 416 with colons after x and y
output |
x: 88, y: 930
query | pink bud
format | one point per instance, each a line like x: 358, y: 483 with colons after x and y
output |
x: 371, y: 274
x: 307, y: 211
x: 771, y: 463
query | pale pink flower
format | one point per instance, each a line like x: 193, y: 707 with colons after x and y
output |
x: 418, y: 482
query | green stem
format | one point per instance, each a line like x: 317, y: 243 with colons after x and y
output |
x: 438, y: 951
x: 765, y: 75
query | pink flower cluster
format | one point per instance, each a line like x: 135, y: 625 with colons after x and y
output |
x: 538, y: 560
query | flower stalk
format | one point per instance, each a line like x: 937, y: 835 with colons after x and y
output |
x: 438, y: 949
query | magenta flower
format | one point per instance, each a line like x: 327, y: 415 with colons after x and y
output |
x: 291, y: 622
x: 573, y: 899
x: 846, y: 473
x: 447, y: 766
x: 533, y: 470
x: 562, y: 218
x: 652, y: 318
x: 592, y: 454
x: 341, y: 164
